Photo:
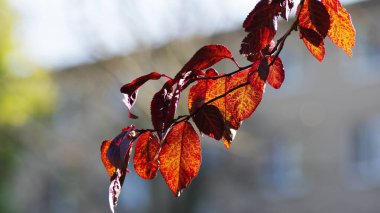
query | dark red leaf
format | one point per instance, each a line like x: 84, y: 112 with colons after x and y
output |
x: 130, y: 90
x: 261, y: 25
x: 115, y: 154
x: 310, y: 35
x: 206, y: 57
x: 160, y: 108
x: 119, y: 150
x: 263, y: 69
x: 210, y: 121
x: 284, y: 7
x: 319, y: 17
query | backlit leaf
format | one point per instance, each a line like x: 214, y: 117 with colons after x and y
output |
x: 103, y: 155
x: 342, y: 31
x: 317, y: 51
x: 243, y: 101
x: 145, y: 151
x: 180, y: 157
x: 276, y: 73
x: 309, y: 34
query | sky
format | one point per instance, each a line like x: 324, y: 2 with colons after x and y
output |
x: 63, y: 33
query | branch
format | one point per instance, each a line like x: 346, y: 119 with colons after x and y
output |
x: 281, y: 41
x: 276, y: 51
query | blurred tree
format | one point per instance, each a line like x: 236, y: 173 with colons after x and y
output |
x: 26, y: 93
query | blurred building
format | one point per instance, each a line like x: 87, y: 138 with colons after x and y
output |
x: 312, y: 146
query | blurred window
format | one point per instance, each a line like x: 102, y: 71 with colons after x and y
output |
x: 281, y: 174
x: 365, y: 153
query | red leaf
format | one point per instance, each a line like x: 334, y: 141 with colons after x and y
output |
x: 261, y: 25
x: 284, y: 7
x: 309, y: 34
x: 115, y: 155
x: 161, y: 111
x: 228, y: 134
x: 130, y: 90
x: 276, y: 73
x: 206, y: 57
x: 180, y: 157
x: 342, y: 31
x: 319, y: 17
x: 119, y: 150
x: 263, y: 69
x: 256, y: 81
x: 210, y: 121
x: 145, y: 150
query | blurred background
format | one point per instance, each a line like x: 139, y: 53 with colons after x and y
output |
x: 312, y: 146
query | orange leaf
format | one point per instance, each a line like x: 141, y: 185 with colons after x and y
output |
x: 276, y: 73
x: 309, y: 34
x: 242, y: 102
x: 180, y: 157
x: 342, y: 31
x: 103, y: 155
x: 333, y: 4
x: 318, y: 52
x: 145, y: 150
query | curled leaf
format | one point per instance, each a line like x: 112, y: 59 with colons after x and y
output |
x: 115, y: 189
x: 130, y: 90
